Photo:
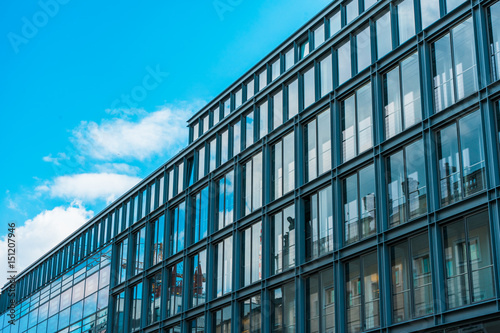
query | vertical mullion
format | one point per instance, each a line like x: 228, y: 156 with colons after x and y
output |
x: 358, y: 207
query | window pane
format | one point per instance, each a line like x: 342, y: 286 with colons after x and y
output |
x: 275, y: 70
x: 395, y: 190
x: 473, y: 159
x: 324, y: 142
x: 494, y: 21
x: 283, y: 238
x: 227, y: 107
x: 311, y: 151
x: 326, y: 75
x: 309, y: 92
x: 228, y: 264
x: 252, y: 254
x: 249, y: 129
x: 352, y: 11
x: 384, y: 35
x: 412, y: 106
x: 201, y: 163
x: 320, y: 311
x: 444, y: 95
x: 465, y: 58
x: 224, y: 145
x: 367, y: 200
x: 288, y: 163
x: 350, y: 201
x: 238, y: 99
x: 335, y: 23
x: 430, y: 12
x: 174, y: 292
x: 205, y: 123
x: 293, y: 99
x: 353, y: 295
x: 213, y: 155
x: 344, y: 64
x: 263, y: 120
x: 348, y: 129
x: 364, y: 114
x: 283, y: 306
x: 449, y: 167
x: 369, y: 3
x: 416, y: 190
x: 257, y: 181
x: 406, y: 20
x: 363, y: 46
x: 401, y: 287
x: 480, y: 257
x: 236, y: 139
x: 216, y: 115
x: 277, y: 170
x: 289, y: 59
x: 422, y: 280
x: 392, y: 103
x: 196, y: 131
x: 371, y: 291
x: 199, y: 271
x: 319, y: 36
x: 262, y: 79
x: 452, y: 4
x: 180, y: 178
x: 303, y: 49
x: 277, y: 110
x: 250, y: 89
x: 457, y: 275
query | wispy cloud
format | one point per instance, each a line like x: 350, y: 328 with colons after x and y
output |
x: 38, y: 235
x: 89, y: 186
x: 56, y: 160
x: 157, y: 133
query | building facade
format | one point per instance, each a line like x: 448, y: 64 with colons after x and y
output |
x: 349, y: 182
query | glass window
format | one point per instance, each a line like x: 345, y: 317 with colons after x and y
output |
x: 363, y: 49
x: 196, y: 131
x: 227, y: 107
x: 430, y: 12
x: 384, y: 35
x: 293, y: 99
x: 251, y: 268
x: 216, y: 115
x: 309, y: 88
x: 362, y: 293
x: 135, y: 318
x: 213, y: 155
x: 351, y: 11
x: 249, y: 129
x: 199, y: 282
x: 303, y: 49
x: 250, y: 310
x: 250, y: 89
x: 158, y: 235
x: 461, y: 159
x: 369, y: 3
x: 119, y: 314
x: 344, y: 64
x: 262, y: 79
x: 494, y: 27
x: 467, y: 258
x: 152, y: 197
x: 236, y: 138
x: 402, y: 97
x: 223, y: 320
x: 238, y: 98
x: 454, y: 82
x: 283, y: 309
x: 275, y: 69
x: 359, y: 202
x: 319, y: 223
x: 178, y: 220
x: 135, y: 217
x: 197, y: 325
x: 252, y: 183
x: 357, y: 123
x: 139, y: 249
x: 318, y: 145
x: 122, y: 267
x: 154, y: 307
x: 411, y: 279
x: 289, y: 59
x: 452, y: 4
x: 319, y: 36
x: 180, y: 177
x: 283, y: 166
x: 277, y: 109
x: 326, y: 75
x: 407, y: 193
x: 174, y: 292
x: 200, y: 225
x: 226, y: 200
x: 335, y: 23
x: 320, y: 302
x: 224, y: 265
x: 224, y: 147
x: 406, y: 20
x: 170, y: 185
x: 283, y: 240
x: 201, y: 162
x: 263, y: 119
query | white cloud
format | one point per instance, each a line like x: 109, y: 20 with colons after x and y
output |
x: 118, y: 168
x: 160, y: 132
x: 56, y: 160
x: 89, y: 186
x: 39, y: 235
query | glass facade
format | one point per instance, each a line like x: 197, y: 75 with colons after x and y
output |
x: 389, y: 168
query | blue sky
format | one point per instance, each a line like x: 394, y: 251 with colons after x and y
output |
x: 71, y: 139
